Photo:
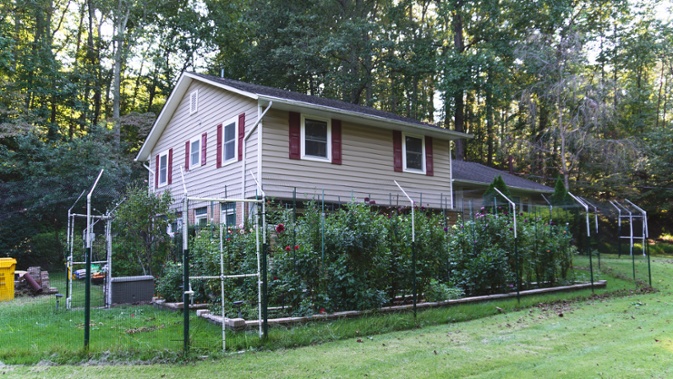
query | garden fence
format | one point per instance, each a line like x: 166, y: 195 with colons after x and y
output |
x: 324, y: 257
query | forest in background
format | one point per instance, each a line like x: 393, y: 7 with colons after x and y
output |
x: 576, y: 89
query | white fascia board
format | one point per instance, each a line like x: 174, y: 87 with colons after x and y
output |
x: 171, y: 105
x: 378, y: 121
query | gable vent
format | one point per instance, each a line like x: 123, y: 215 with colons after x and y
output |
x: 193, y: 102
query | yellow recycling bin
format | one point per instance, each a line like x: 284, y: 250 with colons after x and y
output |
x: 7, y: 266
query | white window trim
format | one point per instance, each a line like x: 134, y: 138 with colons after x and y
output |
x: 233, y: 120
x: 193, y: 165
x: 303, y: 139
x: 159, y: 182
x: 404, y: 153
x: 194, y: 101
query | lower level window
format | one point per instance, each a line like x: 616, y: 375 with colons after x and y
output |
x: 228, y: 214
x: 201, y: 216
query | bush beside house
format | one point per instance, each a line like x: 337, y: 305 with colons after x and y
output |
x: 360, y: 257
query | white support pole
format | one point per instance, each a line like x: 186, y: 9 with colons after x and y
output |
x: 259, y: 273
x: 513, y: 207
x: 586, y: 210
x: 413, y: 225
x: 645, y: 233
x: 595, y: 212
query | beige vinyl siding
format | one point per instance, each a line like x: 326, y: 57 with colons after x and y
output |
x: 215, y: 107
x: 366, y: 170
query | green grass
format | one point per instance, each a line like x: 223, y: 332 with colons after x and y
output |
x: 618, y: 332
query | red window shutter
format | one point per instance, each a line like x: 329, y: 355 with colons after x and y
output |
x: 203, y: 149
x: 170, y: 166
x: 295, y: 135
x: 219, y: 146
x: 336, y: 141
x: 156, y: 173
x: 397, y: 150
x: 241, y: 134
x: 187, y: 155
x: 429, y: 168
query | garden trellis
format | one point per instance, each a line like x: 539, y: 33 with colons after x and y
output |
x: 260, y: 275
x: 88, y: 235
x: 632, y: 214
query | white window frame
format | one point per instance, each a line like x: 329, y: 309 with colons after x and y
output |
x: 194, y: 101
x: 234, y: 121
x: 404, y: 153
x: 328, y: 141
x: 194, y: 164
x: 199, y: 217
x: 163, y: 183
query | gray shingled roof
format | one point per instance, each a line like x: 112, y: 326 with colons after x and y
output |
x: 313, y: 100
x: 471, y: 172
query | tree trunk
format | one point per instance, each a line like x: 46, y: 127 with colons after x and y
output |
x: 120, y: 28
x: 458, y: 114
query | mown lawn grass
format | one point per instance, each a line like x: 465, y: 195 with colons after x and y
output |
x: 557, y: 335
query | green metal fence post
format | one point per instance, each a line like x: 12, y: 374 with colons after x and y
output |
x: 265, y: 294
x: 185, y: 275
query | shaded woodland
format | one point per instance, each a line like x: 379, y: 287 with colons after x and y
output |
x: 575, y: 89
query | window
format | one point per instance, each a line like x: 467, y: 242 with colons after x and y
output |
x: 316, y: 138
x: 229, y: 142
x: 228, y: 138
x: 175, y: 226
x: 414, y: 153
x: 228, y: 214
x: 163, y: 168
x: 195, y: 152
x: 193, y: 101
x: 201, y: 216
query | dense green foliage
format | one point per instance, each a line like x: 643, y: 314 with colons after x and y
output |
x: 141, y: 243
x: 357, y: 258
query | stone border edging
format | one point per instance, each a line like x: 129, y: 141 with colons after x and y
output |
x: 239, y: 323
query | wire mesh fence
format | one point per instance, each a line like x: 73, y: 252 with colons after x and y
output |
x: 324, y: 258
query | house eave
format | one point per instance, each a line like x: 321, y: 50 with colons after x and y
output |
x: 356, y: 117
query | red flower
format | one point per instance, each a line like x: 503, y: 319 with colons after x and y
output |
x: 280, y: 228
x: 296, y: 247
x: 322, y: 310
x: 287, y: 248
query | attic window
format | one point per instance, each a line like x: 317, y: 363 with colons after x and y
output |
x: 193, y: 101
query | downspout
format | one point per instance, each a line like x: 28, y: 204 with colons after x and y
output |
x: 150, y: 174
x: 259, y: 151
x: 450, y: 177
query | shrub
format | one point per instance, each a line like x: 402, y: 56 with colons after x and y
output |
x: 359, y: 257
